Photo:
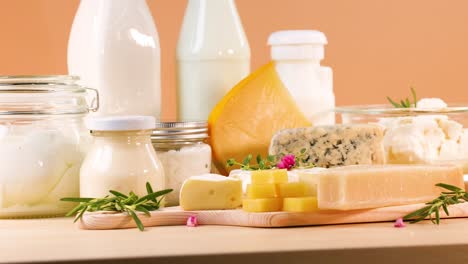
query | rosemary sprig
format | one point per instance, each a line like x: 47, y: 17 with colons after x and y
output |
x: 454, y: 195
x: 119, y: 202
x: 405, y: 103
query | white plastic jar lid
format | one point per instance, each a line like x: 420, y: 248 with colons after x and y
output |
x: 297, y: 45
x: 120, y: 123
x: 297, y: 37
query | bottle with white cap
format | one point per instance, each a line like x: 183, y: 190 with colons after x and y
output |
x: 121, y: 158
x: 297, y: 55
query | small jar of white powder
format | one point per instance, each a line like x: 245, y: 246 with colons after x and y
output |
x: 183, y: 153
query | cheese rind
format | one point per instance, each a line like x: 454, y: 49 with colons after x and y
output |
x: 362, y: 187
x: 330, y: 146
x: 210, y: 192
x: 262, y: 205
x: 300, y: 204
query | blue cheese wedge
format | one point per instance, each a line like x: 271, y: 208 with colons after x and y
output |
x: 330, y: 146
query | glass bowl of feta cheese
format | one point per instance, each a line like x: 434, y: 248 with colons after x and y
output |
x: 432, y: 132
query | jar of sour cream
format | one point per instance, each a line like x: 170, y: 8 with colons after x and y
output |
x: 183, y: 152
x: 43, y: 141
x: 121, y: 157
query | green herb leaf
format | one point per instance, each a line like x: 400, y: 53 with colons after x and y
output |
x: 116, y: 193
x: 137, y: 220
x: 405, y: 103
x: 247, y: 160
x: 119, y: 202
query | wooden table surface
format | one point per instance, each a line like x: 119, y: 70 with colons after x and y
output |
x: 58, y: 240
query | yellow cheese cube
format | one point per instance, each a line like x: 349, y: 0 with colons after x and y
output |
x: 300, y: 204
x: 262, y: 205
x: 269, y: 176
x: 293, y: 189
x: 267, y: 190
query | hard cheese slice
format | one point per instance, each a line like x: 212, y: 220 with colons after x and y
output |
x: 210, y: 192
x: 329, y: 146
x: 245, y: 120
x: 361, y: 187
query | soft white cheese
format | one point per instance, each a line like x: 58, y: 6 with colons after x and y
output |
x: 425, y: 138
x: 431, y: 103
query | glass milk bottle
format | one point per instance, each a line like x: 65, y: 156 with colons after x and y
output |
x: 114, y: 47
x: 213, y: 55
x: 297, y: 55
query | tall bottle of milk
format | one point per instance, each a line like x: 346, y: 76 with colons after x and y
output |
x: 114, y: 47
x: 297, y: 55
x: 213, y: 55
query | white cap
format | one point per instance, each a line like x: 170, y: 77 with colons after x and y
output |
x: 297, y: 45
x: 120, y: 123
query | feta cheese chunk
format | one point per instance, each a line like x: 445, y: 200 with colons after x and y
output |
x: 424, y: 138
x: 431, y: 104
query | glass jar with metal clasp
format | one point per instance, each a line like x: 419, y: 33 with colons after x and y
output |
x: 43, y: 141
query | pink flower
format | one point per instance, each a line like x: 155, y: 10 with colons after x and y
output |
x: 399, y: 223
x: 287, y: 162
x: 192, y: 221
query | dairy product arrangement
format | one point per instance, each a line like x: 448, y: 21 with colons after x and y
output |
x: 250, y: 143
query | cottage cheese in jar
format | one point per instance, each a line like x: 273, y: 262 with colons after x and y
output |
x: 183, y: 152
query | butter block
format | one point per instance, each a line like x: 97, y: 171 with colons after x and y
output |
x: 310, y: 178
x: 330, y: 146
x: 266, y: 190
x: 292, y: 189
x: 262, y: 205
x: 210, y: 192
x: 269, y: 176
x: 300, y: 204
x: 362, y: 187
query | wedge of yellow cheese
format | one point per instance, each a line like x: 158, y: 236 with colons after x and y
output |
x: 262, y: 205
x: 210, y: 192
x: 269, y: 176
x: 246, y: 119
x: 266, y: 190
x: 300, y: 204
x: 293, y: 189
x: 372, y: 186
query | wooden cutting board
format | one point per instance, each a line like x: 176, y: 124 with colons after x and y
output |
x: 176, y: 216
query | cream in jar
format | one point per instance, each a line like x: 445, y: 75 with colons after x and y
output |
x: 121, y: 157
x: 183, y: 152
x: 42, y: 143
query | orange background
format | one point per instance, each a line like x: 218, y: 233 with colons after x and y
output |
x: 376, y: 47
